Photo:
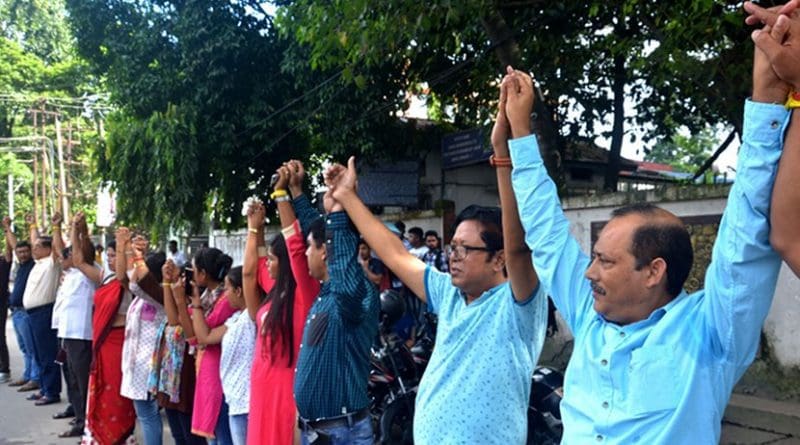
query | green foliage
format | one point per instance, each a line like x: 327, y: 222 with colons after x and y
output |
x: 40, y: 26
x: 685, y: 153
x: 200, y: 87
x: 683, y: 63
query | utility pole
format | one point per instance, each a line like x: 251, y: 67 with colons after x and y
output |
x: 62, y: 177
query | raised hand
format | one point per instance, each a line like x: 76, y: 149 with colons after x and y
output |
x: 123, y: 236
x: 519, y: 102
x: 7, y: 222
x: 255, y: 215
x: 780, y: 45
x: 501, y: 129
x: 169, y: 272
x: 342, y: 181
x: 29, y: 219
x: 283, y: 178
x: 57, y: 219
x: 140, y: 245
x: 296, y: 178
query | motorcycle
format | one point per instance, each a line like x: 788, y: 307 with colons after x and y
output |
x: 396, y: 372
x: 544, y: 412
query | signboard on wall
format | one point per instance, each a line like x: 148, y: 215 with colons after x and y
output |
x: 464, y: 148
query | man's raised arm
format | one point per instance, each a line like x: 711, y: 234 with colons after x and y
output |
x: 559, y: 262
x: 519, y: 263
x: 741, y: 279
x: 387, y: 245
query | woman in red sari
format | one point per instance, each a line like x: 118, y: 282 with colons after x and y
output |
x: 283, y: 274
x: 110, y: 417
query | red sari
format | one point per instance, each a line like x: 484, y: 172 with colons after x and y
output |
x: 273, y: 413
x: 110, y: 417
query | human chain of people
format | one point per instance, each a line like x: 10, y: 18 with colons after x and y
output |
x: 340, y: 330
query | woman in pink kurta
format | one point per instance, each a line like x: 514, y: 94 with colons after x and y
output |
x: 283, y: 274
x: 209, y: 310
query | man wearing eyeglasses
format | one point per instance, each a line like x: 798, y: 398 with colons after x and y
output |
x: 492, y: 315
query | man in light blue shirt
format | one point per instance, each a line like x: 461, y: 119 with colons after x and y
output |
x: 651, y: 363
x: 491, y: 328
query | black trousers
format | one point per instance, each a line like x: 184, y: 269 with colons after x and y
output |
x: 79, y: 360
x: 4, y: 362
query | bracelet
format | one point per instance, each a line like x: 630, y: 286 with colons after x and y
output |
x: 253, y: 230
x: 139, y: 264
x: 499, y: 162
x: 197, y: 306
x: 32, y: 226
x: 793, y: 101
x: 166, y: 284
x: 278, y: 193
x: 282, y: 199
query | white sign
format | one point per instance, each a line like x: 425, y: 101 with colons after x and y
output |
x: 106, y: 206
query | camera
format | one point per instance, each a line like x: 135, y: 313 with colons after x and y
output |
x: 188, y: 276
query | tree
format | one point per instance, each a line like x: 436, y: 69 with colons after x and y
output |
x: 587, y: 56
x: 684, y: 153
x: 201, y: 91
x: 39, y: 26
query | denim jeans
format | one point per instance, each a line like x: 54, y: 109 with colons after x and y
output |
x: 223, y: 428
x: 150, y: 420
x: 238, y: 429
x: 22, y: 327
x: 45, y: 343
x: 360, y: 433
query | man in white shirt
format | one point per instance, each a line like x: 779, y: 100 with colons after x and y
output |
x: 177, y: 257
x: 72, y: 317
x: 38, y: 300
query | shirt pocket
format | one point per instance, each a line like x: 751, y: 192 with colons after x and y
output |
x: 317, y: 327
x: 653, y: 380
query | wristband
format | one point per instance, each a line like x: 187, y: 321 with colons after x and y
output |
x: 139, y: 264
x: 278, y: 193
x: 253, y: 230
x: 197, y: 306
x: 282, y: 199
x: 166, y: 284
x: 793, y: 101
x: 499, y: 162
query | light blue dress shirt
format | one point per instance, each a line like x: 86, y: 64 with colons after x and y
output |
x: 477, y: 384
x: 668, y: 378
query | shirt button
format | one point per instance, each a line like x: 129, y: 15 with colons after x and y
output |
x: 774, y: 124
x: 605, y: 404
x: 621, y: 334
x: 313, y: 316
x: 604, y: 362
x: 599, y: 437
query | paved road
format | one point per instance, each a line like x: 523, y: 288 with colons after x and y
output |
x: 21, y: 422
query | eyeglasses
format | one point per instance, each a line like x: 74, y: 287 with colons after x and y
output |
x: 461, y: 251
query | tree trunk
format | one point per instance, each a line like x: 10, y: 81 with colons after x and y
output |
x: 507, y: 51
x: 618, y: 131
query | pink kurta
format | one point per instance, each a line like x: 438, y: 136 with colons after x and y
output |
x: 208, y: 389
x: 273, y: 414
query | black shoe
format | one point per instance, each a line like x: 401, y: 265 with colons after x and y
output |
x: 66, y: 414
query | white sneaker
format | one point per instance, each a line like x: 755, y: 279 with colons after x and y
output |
x: 5, y: 377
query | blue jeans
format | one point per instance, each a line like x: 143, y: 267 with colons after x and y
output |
x: 223, y: 428
x: 45, y: 344
x: 22, y: 327
x: 238, y: 429
x: 360, y: 433
x: 150, y: 419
